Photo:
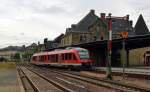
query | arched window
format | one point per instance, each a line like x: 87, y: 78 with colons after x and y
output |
x: 81, y: 38
x: 84, y: 38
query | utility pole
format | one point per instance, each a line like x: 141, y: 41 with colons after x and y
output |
x: 109, y: 47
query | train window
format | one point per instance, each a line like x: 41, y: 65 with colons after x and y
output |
x: 74, y: 57
x: 45, y: 57
x: 56, y: 58
x: 69, y: 56
x: 66, y: 57
x: 39, y: 58
x: 63, y: 56
x: 42, y: 58
x: 34, y: 58
x: 49, y: 57
x: 52, y: 58
x: 83, y: 54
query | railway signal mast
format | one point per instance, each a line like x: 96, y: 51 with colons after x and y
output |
x: 124, y: 35
x: 109, y: 46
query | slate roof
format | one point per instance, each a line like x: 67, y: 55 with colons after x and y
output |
x: 141, y: 27
x: 82, y: 25
x: 58, y: 39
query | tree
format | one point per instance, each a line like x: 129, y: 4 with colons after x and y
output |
x: 17, y: 56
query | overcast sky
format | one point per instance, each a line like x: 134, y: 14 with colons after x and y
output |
x: 28, y: 21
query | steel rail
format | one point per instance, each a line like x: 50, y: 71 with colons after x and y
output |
x: 63, y: 88
x: 28, y: 79
x: 123, y: 85
x: 126, y: 85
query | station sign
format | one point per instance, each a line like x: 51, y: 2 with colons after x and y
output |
x: 124, y: 34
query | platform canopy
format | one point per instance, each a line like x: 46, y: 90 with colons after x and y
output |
x: 138, y: 41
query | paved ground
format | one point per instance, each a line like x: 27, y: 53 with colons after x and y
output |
x: 135, y: 81
x: 134, y: 70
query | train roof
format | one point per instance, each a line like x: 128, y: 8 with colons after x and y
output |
x: 60, y: 51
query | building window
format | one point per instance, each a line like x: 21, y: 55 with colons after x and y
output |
x: 102, y: 38
x: 83, y: 38
x: 94, y: 38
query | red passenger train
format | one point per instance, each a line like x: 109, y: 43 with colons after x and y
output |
x: 71, y: 56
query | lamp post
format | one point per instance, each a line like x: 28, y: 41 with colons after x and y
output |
x: 109, y: 47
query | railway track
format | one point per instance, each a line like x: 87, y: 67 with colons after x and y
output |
x: 95, y: 81
x: 36, y: 86
x: 26, y: 82
x: 71, y: 85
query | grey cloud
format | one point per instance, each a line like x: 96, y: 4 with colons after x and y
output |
x: 51, y: 10
x: 22, y: 34
x: 40, y: 6
x: 29, y: 16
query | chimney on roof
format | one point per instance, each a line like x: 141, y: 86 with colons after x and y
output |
x: 131, y: 22
x: 45, y: 40
x: 38, y: 42
x: 127, y: 17
x: 73, y: 26
x: 109, y: 15
x: 102, y: 15
x: 68, y: 29
x: 92, y: 11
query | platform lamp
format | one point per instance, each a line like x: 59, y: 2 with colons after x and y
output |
x: 109, y: 47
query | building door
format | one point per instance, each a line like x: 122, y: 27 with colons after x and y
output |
x: 116, y: 59
x: 147, y: 60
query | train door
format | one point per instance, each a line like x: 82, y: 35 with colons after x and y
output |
x: 59, y: 58
x: 49, y: 58
x: 37, y: 59
x: 54, y: 58
x: 46, y: 57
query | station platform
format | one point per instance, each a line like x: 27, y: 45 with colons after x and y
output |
x: 133, y: 70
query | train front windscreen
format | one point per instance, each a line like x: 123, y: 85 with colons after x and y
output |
x: 84, y: 54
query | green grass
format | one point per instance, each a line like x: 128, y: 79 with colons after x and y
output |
x: 7, y: 65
